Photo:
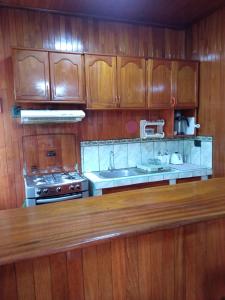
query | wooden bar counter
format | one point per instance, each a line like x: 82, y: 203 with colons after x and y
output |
x: 155, y: 244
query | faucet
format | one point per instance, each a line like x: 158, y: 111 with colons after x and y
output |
x: 111, y: 161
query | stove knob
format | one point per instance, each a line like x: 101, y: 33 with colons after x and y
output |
x: 72, y: 187
x: 38, y: 192
x: 58, y: 189
x: 77, y: 187
x: 45, y: 191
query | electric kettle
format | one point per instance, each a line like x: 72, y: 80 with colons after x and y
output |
x: 176, y: 158
x: 181, y: 124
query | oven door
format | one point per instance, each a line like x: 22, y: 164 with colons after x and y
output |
x: 58, y: 199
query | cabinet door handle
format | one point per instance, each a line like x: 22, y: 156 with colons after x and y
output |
x: 47, y: 89
x: 118, y: 102
x: 173, y: 101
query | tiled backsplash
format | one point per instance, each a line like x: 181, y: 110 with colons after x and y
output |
x: 95, y: 155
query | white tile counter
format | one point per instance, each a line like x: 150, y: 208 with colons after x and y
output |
x: 128, y: 153
x: 97, y: 184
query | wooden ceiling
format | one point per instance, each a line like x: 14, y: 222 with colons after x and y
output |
x: 172, y: 13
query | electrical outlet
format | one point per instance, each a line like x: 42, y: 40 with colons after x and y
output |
x: 198, y: 143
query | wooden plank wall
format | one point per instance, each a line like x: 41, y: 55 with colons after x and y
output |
x: 185, y: 263
x: 206, y: 42
x: 22, y: 28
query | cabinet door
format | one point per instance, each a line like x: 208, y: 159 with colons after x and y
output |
x: 186, y: 85
x: 101, y: 85
x: 159, y: 83
x: 31, y: 75
x: 67, y: 77
x: 131, y: 82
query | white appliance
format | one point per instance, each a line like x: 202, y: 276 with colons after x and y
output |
x: 51, y: 116
x: 152, y: 129
x: 190, y: 129
x: 163, y: 158
x: 176, y: 159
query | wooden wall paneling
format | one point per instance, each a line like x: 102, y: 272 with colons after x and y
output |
x: 196, y: 282
x: 104, y: 261
x: 50, y: 37
x: 36, y: 150
x: 3, y: 80
x: 75, y: 275
x: 144, y: 264
x: 158, y: 39
x: 5, y: 174
x: 158, y: 13
x: 30, y: 157
x: 42, y: 278
x: 204, y: 268
x: 168, y: 266
x: 131, y: 123
x: 219, y: 158
x: 215, y: 268
x: 119, y: 269
x: 59, y: 280
x: 208, y: 46
x: 120, y: 124
x: 90, y: 269
x: 114, y: 127
x: 10, y: 183
x: 112, y: 124
x: 179, y: 276
x: 89, y: 130
x: 132, y: 271
x: 146, y: 38
x: 179, y: 263
x: 25, y: 280
x: 30, y: 29
x: 102, y: 39
x: 8, y: 287
x: 162, y: 261
x: 97, y: 268
x: 173, y: 40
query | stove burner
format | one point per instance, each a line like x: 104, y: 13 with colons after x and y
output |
x: 68, y: 176
x: 39, y: 180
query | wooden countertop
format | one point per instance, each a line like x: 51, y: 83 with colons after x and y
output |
x: 31, y: 232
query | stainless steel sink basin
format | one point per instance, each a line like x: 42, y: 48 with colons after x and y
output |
x: 116, y: 173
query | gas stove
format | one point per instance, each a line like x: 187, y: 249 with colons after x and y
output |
x: 54, y: 187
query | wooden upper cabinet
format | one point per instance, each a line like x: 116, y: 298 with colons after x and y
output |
x: 131, y: 82
x: 186, y: 83
x: 159, y: 83
x: 111, y: 82
x: 101, y: 84
x: 67, y: 77
x: 31, y: 75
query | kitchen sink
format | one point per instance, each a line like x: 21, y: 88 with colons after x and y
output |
x: 116, y: 173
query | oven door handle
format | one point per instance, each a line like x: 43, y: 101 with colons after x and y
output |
x: 58, y: 199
